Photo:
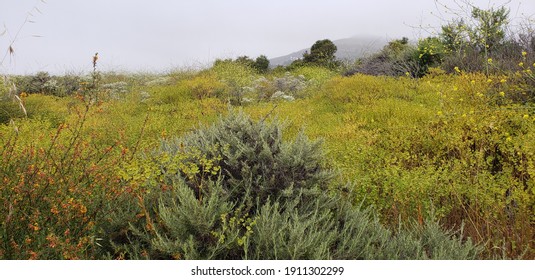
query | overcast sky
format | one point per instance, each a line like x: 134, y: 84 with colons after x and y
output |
x: 158, y: 35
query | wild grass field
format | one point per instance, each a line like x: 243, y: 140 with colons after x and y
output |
x: 311, y: 161
x: 137, y: 173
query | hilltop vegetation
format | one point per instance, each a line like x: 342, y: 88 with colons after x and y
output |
x: 418, y: 152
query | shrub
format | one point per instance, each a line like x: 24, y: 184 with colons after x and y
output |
x: 431, y: 52
x: 43, y: 83
x: 52, y: 193
x: 35, y: 83
x: 303, y: 227
x: 11, y: 104
x: 515, y: 67
x: 469, y: 60
x: 50, y: 108
x: 236, y: 76
x: 253, y: 157
x: 398, y: 58
x: 171, y: 94
x: 318, y: 226
x: 206, y: 86
x: 330, y: 228
x: 288, y: 85
x: 116, y: 90
x: 9, y: 109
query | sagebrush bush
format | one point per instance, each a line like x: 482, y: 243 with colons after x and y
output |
x: 253, y: 158
x: 328, y: 227
x: 318, y: 226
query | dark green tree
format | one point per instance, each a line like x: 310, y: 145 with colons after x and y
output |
x: 322, y: 53
x: 261, y: 64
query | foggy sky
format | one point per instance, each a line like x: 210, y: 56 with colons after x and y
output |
x: 159, y: 35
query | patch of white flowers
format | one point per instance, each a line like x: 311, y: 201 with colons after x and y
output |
x: 116, y: 90
x: 160, y: 81
x: 287, y: 88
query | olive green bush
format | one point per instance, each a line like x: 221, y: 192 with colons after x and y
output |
x: 253, y: 158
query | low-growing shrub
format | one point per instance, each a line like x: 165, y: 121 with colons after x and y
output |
x: 206, y: 86
x: 9, y: 109
x: 302, y: 227
x: 50, y: 108
x: 452, y: 144
x: 398, y: 58
x: 236, y: 76
x: 287, y: 86
x: 253, y: 158
x: 44, y: 83
x: 11, y: 105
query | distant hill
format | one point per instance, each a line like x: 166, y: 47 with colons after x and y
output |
x: 348, y: 49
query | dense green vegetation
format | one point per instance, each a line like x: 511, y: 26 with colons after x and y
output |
x: 403, y: 157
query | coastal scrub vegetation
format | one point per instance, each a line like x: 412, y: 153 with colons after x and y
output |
x: 421, y: 151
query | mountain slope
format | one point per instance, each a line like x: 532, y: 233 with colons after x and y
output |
x: 348, y: 49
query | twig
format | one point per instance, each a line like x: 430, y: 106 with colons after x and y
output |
x: 269, y: 113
